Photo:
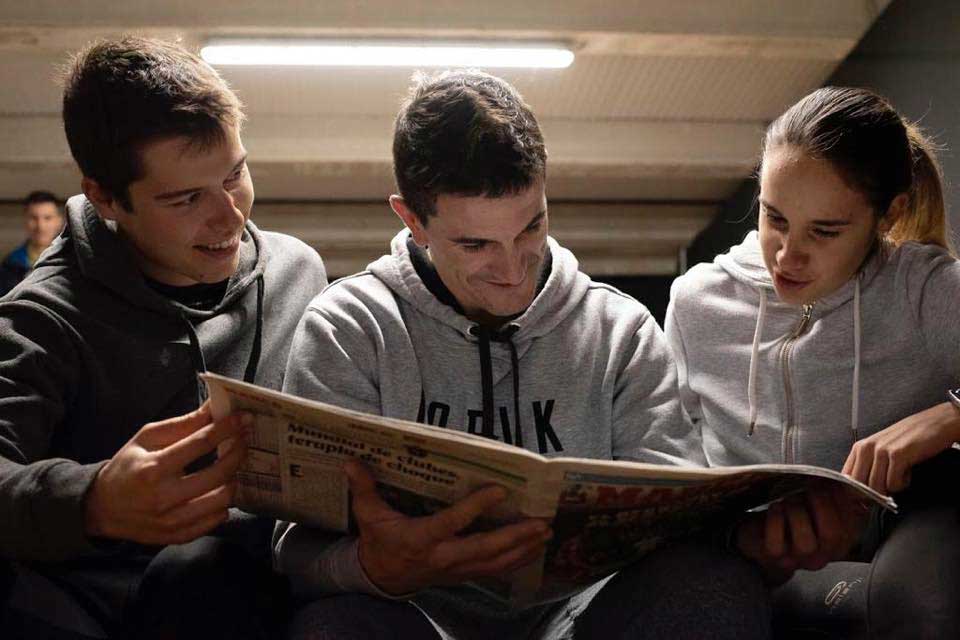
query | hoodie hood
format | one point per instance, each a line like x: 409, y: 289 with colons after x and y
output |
x: 103, y: 257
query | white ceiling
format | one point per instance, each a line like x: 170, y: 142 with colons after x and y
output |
x: 662, y: 108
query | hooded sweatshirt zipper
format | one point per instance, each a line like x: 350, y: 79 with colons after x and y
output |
x: 785, y: 351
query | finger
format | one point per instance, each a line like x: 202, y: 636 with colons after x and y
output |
x: 368, y: 506
x: 203, y: 441
x: 864, y: 460
x: 188, y: 514
x: 774, y: 534
x: 507, y: 562
x: 163, y: 433
x: 878, y: 471
x: 898, y: 476
x: 750, y: 536
x: 208, y: 478
x: 194, y: 531
x: 803, y: 539
x: 850, y: 462
x: 827, y: 524
x: 462, y: 513
x: 484, y: 546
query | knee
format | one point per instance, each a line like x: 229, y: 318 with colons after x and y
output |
x: 355, y: 616
x: 915, y: 583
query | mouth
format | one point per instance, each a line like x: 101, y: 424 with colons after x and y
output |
x: 223, y: 249
x: 789, y: 282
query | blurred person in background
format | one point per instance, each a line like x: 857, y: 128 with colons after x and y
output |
x: 44, y: 220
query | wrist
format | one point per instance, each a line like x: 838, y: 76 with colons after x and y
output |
x: 93, y: 521
x: 379, y: 576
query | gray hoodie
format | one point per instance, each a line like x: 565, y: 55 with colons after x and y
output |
x: 584, y: 371
x: 882, y: 347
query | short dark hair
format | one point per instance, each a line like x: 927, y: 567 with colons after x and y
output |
x: 40, y: 197
x: 465, y: 133
x: 121, y: 94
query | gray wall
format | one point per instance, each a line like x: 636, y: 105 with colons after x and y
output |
x: 911, y: 55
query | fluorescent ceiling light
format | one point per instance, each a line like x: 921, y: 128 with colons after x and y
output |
x: 339, y: 54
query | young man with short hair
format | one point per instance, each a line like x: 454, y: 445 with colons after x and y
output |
x: 479, y: 321
x: 109, y: 484
x: 43, y: 220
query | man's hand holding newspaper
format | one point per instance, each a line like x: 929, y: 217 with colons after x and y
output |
x: 401, y: 554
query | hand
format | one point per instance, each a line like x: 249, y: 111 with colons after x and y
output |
x: 802, y: 532
x: 142, y: 494
x: 884, y: 460
x: 401, y: 554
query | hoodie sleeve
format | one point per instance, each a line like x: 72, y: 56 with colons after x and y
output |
x: 332, y: 360
x: 41, y: 498
x: 931, y: 278
x: 689, y: 399
x: 646, y: 395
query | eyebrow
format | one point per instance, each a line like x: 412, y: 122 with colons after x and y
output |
x: 467, y: 240
x: 172, y: 195
x: 820, y: 223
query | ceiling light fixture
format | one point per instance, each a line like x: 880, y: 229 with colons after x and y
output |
x: 346, y: 54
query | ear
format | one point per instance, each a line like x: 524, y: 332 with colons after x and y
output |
x: 410, y: 219
x: 896, y: 210
x: 107, y: 206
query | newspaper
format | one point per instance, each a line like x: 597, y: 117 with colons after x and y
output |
x: 604, y: 514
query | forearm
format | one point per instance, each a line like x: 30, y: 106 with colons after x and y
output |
x: 44, y: 510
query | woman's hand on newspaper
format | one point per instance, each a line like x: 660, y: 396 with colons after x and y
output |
x: 884, y: 460
x: 802, y: 532
x: 401, y: 554
x: 143, y: 493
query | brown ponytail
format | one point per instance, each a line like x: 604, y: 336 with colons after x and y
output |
x: 925, y: 218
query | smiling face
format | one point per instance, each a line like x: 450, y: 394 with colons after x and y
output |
x: 487, y: 251
x: 815, y: 231
x: 187, y: 211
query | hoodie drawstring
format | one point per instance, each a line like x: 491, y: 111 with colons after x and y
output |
x: 198, y: 362
x: 251, y: 371
x: 253, y: 361
x: 752, y: 380
x: 855, y: 393
x: 855, y: 399
x: 486, y: 380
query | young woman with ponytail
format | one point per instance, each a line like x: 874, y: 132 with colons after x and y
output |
x: 831, y: 337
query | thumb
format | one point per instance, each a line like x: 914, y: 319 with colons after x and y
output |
x: 162, y: 434
x: 367, y: 504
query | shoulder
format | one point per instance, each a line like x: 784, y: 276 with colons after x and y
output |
x: 703, y: 278
x: 289, y: 252
x: 914, y: 261
x: 361, y: 297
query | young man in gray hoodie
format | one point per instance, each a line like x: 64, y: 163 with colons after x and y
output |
x: 107, y: 516
x: 479, y: 321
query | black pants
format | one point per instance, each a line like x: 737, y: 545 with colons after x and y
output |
x: 209, y: 588
x: 907, y: 582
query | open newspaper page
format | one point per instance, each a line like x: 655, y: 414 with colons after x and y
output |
x: 604, y: 514
x: 293, y: 467
x: 610, y: 514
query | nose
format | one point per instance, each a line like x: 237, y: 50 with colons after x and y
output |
x: 512, y: 267
x: 792, y: 254
x: 224, y: 212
